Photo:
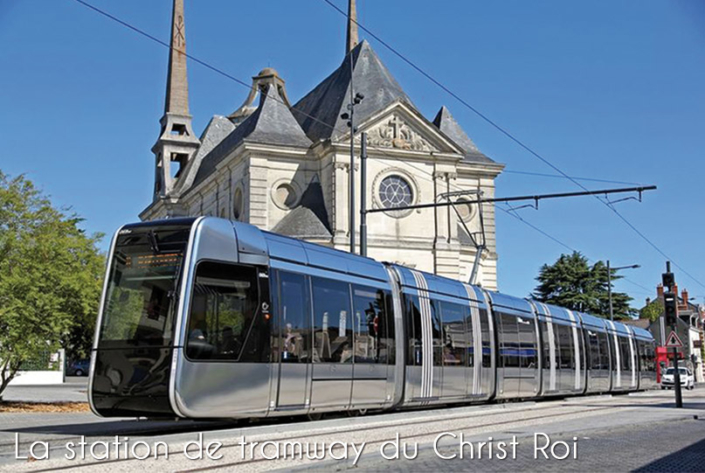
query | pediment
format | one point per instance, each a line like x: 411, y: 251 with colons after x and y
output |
x: 402, y: 128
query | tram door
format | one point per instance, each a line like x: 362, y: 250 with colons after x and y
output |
x: 294, y: 343
x: 456, y: 342
x: 333, y: 348
x: 509, y: 368
x: 528, y: 356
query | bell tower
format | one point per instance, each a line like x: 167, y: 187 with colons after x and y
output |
x: 177, y: 143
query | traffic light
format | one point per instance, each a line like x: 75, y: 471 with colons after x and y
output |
x: 670, y: 304
x: 668, y: 280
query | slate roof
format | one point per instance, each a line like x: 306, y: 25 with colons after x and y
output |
x: 272, y: 123
x: 309, y: 219
x: 445, y: 122
x: 319, y: 111
x: 218, y: 128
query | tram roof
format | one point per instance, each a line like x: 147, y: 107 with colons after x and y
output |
x: 438, y: 284
x: 641, y: 333
x: 503, y: 300
x: 555, y: 312
x: 311, y: 254
x: 617, y: 327
x: 593, y: 321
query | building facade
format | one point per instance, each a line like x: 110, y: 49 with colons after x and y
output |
x: 285, y: 167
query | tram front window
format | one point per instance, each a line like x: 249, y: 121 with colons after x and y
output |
x: 141, y: 285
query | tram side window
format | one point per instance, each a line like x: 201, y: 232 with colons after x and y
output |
x: 509, y: 341
x: 546, y: 347
x: 413, y: 326
x: 625, y: 355
x: 604, y: 351
x: 594, y: 347
x: 389, y: 335
x: 527, y: 343
x: 332, y: 330
x: 457, y: 340
x: 469, y: 337
x: 372, y: 343
x: 223, y: 320
x: 566, y: 346
x: 294, y: 315
x: 486, y: 347
x: 436, y: 332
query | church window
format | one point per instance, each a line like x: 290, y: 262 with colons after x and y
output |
x: 285, y: 196
x: 395, y: 192
x: 237, y: 204
x: 465, y: 209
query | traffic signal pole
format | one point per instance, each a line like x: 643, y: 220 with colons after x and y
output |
x: 670, y: 305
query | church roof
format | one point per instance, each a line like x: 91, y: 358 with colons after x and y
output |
x: 319, y: 111
x: 217, y: 129
x: 309, y: 219
x: 445, y: 122
x: 272, y: 123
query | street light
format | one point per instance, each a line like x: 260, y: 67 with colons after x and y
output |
x: 609, y: 282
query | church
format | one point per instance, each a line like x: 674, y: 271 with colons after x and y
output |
x: 285, y: 166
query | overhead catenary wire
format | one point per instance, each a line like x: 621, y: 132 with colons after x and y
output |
x: 250, y: 87
x: 516, y: 140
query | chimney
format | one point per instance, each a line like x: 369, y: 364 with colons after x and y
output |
x: 648, y: 300
x: 659, y: 290
x: 684, y: 295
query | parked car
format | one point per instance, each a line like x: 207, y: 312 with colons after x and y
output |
x: 78, y: 368
x: 687, y: 378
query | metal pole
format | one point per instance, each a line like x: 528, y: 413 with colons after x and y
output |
x: 352, y: 159
x: 363, y: 194
x: 676, y: 374
x: 535, y: 198
x: 609, y: 289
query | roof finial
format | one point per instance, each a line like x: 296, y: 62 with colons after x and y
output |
x: 177, y: 81
x: 352, y: 26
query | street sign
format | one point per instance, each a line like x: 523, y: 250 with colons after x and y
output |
x: 673, y: 341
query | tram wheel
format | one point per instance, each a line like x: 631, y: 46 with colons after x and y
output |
x: 315, y: 416
x: 357, y: 412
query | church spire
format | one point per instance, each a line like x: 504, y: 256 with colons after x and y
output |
x: 177, y: 81
x: 352, y: 38
x: 177, y: 143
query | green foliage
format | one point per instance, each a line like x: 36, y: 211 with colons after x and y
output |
x: 50, y: 278
x: 652, y: 311
x: 572, y: 283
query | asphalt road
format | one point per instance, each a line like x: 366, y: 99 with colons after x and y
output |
x: 614, y: 433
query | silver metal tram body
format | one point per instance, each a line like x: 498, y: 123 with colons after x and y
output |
x: 207, y: 318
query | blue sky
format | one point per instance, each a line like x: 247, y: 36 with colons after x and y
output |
x: 603, y: 89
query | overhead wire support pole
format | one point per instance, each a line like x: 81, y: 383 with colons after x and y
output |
x: 535, y: 198
x: 363, y: 194
x: 351, y: 106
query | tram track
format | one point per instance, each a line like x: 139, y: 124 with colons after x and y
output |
x: 545, y: 412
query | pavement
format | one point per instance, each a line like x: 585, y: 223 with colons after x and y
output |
x: 636, y: 432
x: 75, y: 389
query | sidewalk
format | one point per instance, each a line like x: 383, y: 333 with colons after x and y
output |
x: 73, y: 391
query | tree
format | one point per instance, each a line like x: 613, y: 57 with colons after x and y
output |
x: 652, y: 311
x: 50, y: 278
x: 572, y: 283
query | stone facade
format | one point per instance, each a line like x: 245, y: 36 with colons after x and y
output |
x: 286, y: 169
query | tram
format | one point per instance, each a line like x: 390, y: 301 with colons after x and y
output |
x: 208, y: 318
